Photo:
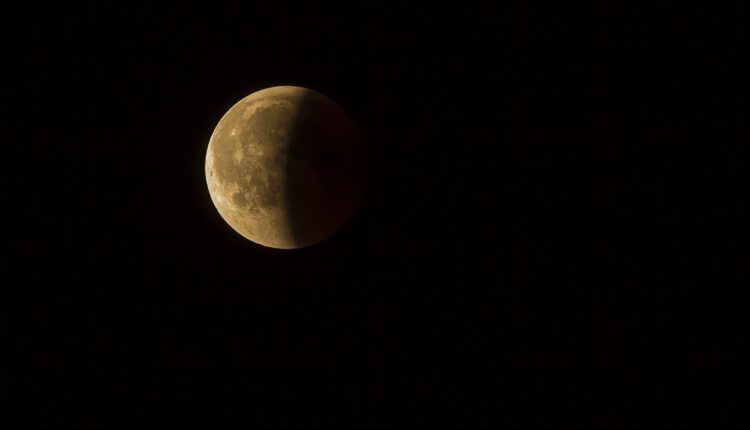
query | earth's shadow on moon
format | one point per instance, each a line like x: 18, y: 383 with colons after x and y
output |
x: 326, y: 170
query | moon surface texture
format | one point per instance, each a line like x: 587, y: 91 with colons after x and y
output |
x: 286, y: 167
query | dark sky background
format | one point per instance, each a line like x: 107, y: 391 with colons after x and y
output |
x: 554, y: 235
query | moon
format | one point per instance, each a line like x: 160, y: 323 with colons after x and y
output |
x: 286, y: 167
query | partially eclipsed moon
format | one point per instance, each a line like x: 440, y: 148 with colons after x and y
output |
x: 286, y: 167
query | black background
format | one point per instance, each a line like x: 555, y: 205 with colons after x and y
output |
x: 554, y: 234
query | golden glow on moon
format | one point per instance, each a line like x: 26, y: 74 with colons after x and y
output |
x: 286, y: 167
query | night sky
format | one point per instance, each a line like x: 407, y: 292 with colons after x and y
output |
x: 554, y: 234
